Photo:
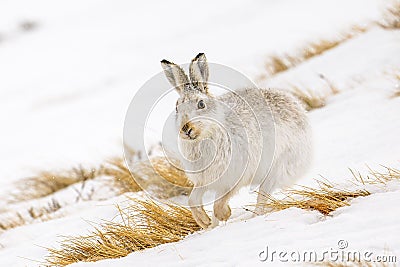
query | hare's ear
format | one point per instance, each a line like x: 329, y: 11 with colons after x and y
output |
x: 175, y: 75
x: 198, y: 72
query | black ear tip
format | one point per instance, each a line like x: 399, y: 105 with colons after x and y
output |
x: 199, y: 55
x: 164, y: 61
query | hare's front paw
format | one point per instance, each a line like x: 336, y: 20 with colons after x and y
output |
x: 201, y: 217
x: 222, y: 212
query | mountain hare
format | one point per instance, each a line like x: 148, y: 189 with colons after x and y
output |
x: 244, y: 137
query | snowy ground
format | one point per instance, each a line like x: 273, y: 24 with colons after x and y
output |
x: 66, y: 85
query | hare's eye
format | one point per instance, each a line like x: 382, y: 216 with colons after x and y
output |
x: 201, y: 104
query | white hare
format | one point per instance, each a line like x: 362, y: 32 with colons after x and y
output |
x: 244, y: 137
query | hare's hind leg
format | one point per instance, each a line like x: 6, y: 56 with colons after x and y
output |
x: 284, y: 173
x: 268, y: 185
x: 266, y: 188
x: 196, y: 206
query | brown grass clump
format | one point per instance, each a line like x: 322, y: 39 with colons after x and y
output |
x: 326, y: 198
x: 171, y: 171
x: 42, y: 213
x: 49, y: 182
x: 391, y: 16
x: 377, y: 177
x: 12, y: 222
x: 396, y: 92
x: 158, y: 176
x: 279, y: 63
x: 122, y: 177
x: 166, y: 180
x: 145, y: 224
x: 162, y: 177
x: 276, y: 64
x: 309, y: 98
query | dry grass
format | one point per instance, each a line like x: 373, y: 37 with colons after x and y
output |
x: 122, y: 177
x: 166, y: 180
x: 12, y: 222
x: 145, y: 224
x: 324, y: 199
x: 396, y: 92
x: 391, y: 16
x: 327, y: 198
x: 34, y: 213
x: 309, y: 98
x: 157, y: 176
x: 276, y: 64
x: 162, y: 178
x: 377, y: 177
x: 49, y: 182
x: 279, y: 63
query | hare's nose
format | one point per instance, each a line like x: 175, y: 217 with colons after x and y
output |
x: 187, y: 129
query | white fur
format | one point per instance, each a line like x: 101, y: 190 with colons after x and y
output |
x: 251, y: 136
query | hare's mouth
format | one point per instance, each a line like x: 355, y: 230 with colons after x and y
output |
x: 190, y: 135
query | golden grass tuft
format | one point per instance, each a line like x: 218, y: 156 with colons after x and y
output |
x: 326, y: 198
x: 279, y: 63
x: 309, y: 98
x: 391, y: 16
x: 49, y: 182
x: 42, y: 213
x: 122, y: 177
x: 145, y: 224
x: 396, y: 93
x: 12, y: 222
x: 377, y: 177
x: 166, y: 181
x: 163, y: 177
x: 159, y: 176
x: 276, y: 64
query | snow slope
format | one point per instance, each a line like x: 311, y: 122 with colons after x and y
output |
x: 67, y: 83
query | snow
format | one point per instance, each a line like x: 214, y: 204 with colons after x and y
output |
x: 66, y: 86
x: 240, y: 243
